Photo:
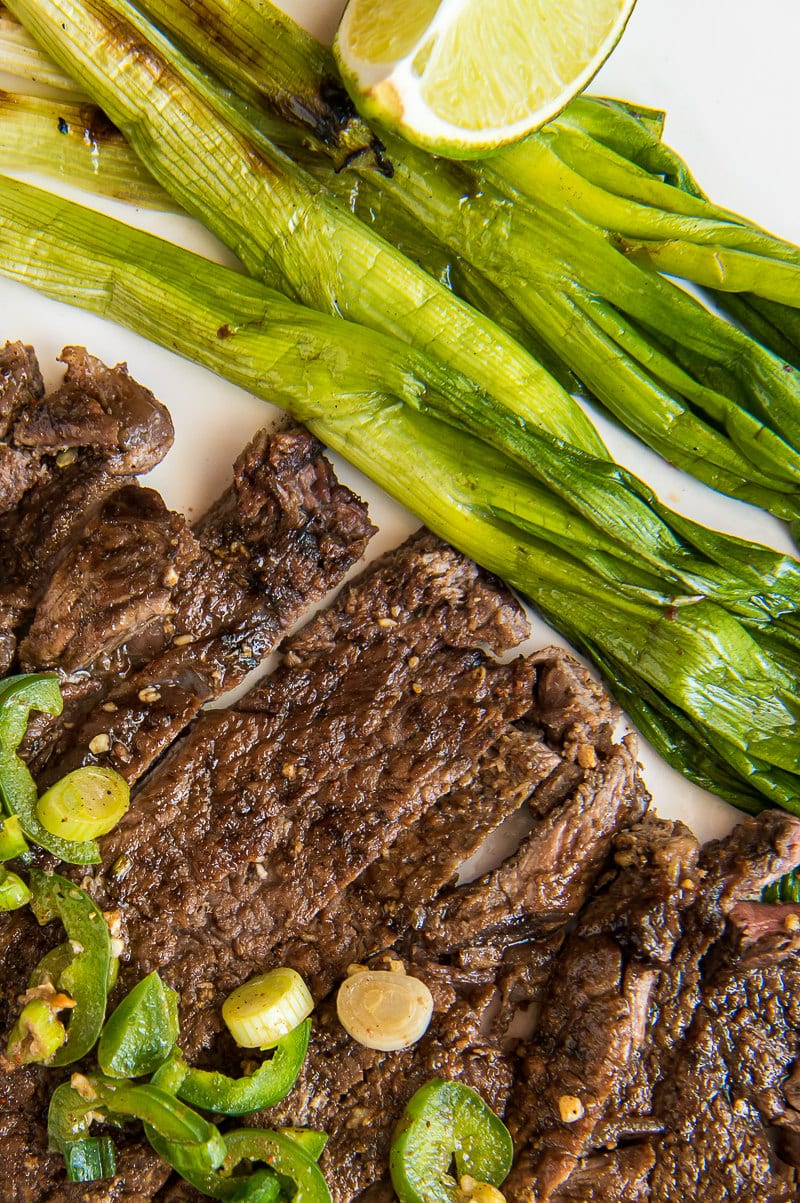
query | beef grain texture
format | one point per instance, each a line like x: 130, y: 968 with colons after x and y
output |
x: 147, y: 619
x: 265, y: 812
x: 663, y: 1054
x: 60, y: 456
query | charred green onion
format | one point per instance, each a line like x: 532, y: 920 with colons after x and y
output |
x: 556, y: 239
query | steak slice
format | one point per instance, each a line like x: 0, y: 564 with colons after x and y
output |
x: 729, y: 1095
x: 261, y: 816
x: 758, y: 851
x: 391, y: 895
x: 148, y: 620
x: 651, y: 1034
x: 547, y: 880
x: 594, y: 1016
x: 60, y: 456
x: 21, y: 386
x: 100, y: 409
x: 619, y: 1176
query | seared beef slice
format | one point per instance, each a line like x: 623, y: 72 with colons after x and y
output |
x: 147, y: 619
x: 144, y: 618
x: 641, y: 1079
x: 60, y: 456
x: 266, y: 811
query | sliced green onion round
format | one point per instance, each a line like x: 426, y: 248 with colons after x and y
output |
x: 267, y: 1007
x: 384, y: 1010
x: 86, y: 803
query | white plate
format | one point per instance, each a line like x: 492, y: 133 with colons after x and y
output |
x: 726, y: 74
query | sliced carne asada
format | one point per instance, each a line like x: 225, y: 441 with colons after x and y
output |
x: 758, y: 851
x: 548, y: 878
x: 642, y: 1037
x: 390, y: 896
x: 261, y: 816
x: 62, y: 454
x: 148, y: 620
x: 619, y: 1176
x: 21, y: 386
x: 593, y: 1020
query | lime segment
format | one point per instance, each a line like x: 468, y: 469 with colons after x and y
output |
x: 462, y: 77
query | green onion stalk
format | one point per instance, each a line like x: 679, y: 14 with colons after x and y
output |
x: 76, y: 142
x: 143, y: 81
x: 21, y: 56
x: 680, y: 651
x: 638, y: 153
x: 700, y: 392
x: 597, y: 162
x: 569, y: 267
x: 286, y: 228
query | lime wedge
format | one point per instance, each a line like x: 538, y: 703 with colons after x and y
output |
x: 461, y: 77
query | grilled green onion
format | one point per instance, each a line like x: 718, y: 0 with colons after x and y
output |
x: 384, y: 1010
x: 86, y: 803
x: 267, y: 1007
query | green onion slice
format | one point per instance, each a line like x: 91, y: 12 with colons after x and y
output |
x: 267, y: 1007
x: 383, y: 1009
x: 86, y: 803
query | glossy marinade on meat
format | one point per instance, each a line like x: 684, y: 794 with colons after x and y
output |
x: 323, y: 819
x: 144, y: 616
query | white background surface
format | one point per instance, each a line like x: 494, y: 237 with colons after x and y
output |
x: 725, y: 71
